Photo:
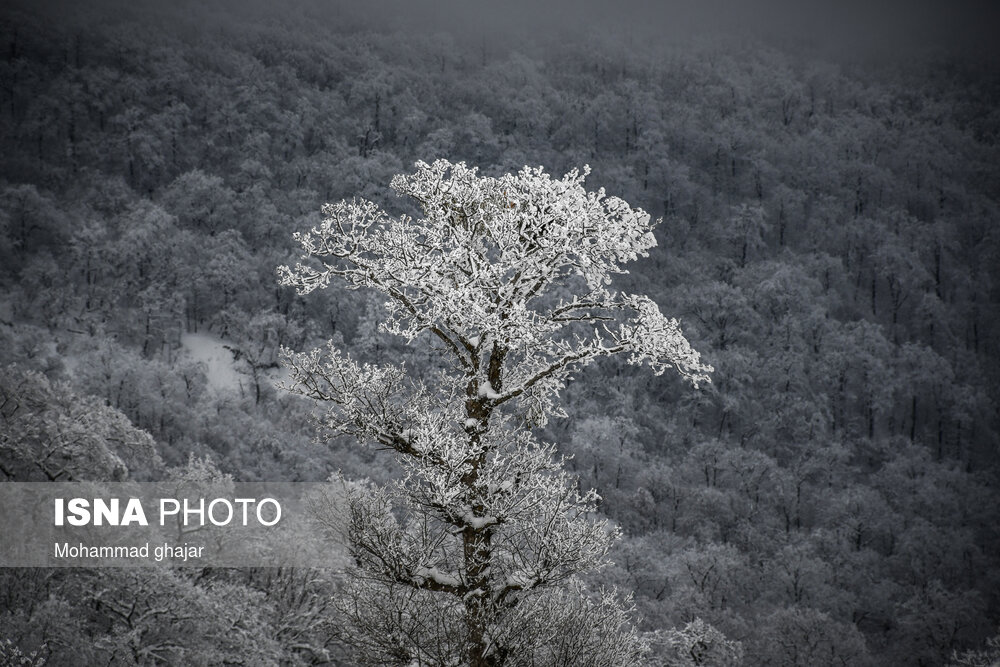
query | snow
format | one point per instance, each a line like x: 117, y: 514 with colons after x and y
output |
x: 471, y: 423
x: 477, y: 522
x: 486, y: 389
x: 220, y: 369
x: 480, y: 522
x: 437, y: 575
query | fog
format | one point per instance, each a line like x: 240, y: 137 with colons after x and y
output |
x: 887, y: 30
x: 894, y: 28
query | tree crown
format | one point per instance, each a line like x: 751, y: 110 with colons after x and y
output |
x: 510, y: 273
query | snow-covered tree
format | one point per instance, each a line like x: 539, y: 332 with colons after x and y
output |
x: 698, y: 644
x: 484, y: 533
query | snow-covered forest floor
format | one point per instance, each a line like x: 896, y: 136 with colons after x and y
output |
x: 829, y: 241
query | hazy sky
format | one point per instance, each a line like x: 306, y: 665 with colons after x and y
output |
x: 880, y: 25
x: 890, y: 28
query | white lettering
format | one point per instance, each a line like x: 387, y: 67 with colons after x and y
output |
x: 164, y: 511
x: 277, y: 511
x: 199, y: 512
x: 105, y: 510
x: 134, y: 513
x: 79, y: 509
x: 211, y: 512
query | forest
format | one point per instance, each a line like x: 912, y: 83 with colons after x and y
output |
x: 829, y: 242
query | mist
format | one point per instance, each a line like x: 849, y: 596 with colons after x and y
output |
x: 886, y: 30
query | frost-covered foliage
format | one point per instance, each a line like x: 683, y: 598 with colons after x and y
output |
x: 698, y: 644
x: 50, y: 433
x: 510, y: 276
x: 515, y: 268
x: 989, y: 656
x: 12, y: 656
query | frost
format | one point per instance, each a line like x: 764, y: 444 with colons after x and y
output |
x: 483, y: 257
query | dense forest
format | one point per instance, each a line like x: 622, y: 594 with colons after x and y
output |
x: 829, y: 242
